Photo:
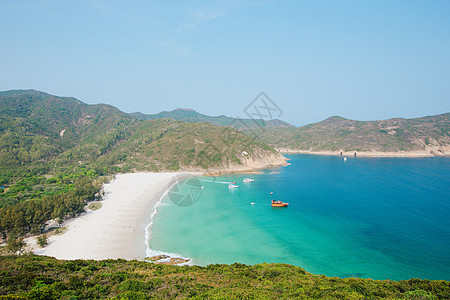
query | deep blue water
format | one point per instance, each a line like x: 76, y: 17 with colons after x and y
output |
x: 375, y: 218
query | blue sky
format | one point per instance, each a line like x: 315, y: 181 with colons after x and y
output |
x: 362, y: 60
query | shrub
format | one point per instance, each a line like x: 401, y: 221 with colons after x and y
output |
x: 42, y: 240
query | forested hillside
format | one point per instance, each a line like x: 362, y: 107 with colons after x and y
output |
x: 36, y: 128
x: 55, y: 152
x: 428, y: 134
x: 40, y: 132
x: 172, y: 145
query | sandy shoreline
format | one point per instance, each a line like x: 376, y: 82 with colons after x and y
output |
x: 118, y: 229
x: 365, y: 154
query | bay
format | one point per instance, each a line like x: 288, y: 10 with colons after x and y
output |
x: 379, y: 218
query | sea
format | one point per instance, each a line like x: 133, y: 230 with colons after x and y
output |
x: 377, y: 217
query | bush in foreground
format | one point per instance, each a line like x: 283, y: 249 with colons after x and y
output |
x: 38, y: 277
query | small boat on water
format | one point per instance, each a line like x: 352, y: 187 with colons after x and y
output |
x: 271, y: 193
x: 277, y: 203
x: 248, y: 180
x: 232, y: 185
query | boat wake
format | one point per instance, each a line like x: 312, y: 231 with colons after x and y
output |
x: 220, y: 182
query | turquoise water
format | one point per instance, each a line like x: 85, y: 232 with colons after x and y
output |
x: 374, y: 218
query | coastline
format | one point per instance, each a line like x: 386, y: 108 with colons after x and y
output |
x: 120, y: 228
x: 150, y: 253
x: 410, y: 154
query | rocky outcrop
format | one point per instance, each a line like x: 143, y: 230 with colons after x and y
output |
x: 251, y: 162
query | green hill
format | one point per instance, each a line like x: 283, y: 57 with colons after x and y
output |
x: 189, y: 115
x: 40, y: 129
x: 428, y: 135
x: 38, y: 277
x: 172, y: 145
x: 36, y: 127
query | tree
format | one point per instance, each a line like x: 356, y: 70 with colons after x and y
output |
x: 42, y: 240
x: 85, y: 189
x: 15, y: 244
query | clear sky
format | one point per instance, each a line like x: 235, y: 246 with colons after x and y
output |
x: 362, y: 60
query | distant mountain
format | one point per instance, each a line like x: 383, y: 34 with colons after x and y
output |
x: 41, y: 132
x: 428, y: 135
x: 38, y: 129
x: 189, y: 115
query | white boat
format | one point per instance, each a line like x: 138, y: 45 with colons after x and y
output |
x: 232, y: 186
x: 345, y: 158
x: 247, y: 180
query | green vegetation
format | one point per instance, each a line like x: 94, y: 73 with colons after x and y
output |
x: 42, y: 240
x: 333, y: 134
x: 34, y: 277
x: 30, y: 215
x: 44, y: 134
x: 56, y: 153
x: 15, y: 245
x: 336, y: 133
x: 173, y: 145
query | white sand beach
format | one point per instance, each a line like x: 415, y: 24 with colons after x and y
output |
x: 117, y: 229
